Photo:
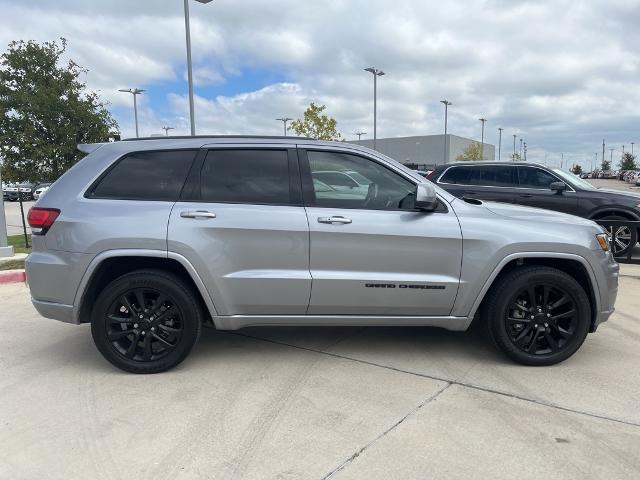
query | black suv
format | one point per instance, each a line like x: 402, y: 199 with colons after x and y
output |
x: 539, y: 186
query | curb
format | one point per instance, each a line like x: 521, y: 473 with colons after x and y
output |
x: 13, y: 276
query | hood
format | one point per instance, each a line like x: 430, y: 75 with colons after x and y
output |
x: 623, y: 193
x: 532, y: 214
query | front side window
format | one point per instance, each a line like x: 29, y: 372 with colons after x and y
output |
x: 466, y: 175
x: 146, y: 176
x: 245, y: 176
x: 532, y: 177
x: 342, y: 180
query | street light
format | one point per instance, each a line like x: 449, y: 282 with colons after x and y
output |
x: 359, y: 134
x: 632, y: 144
x: 446, y: 104
x: 514, y: 147
x: 483, y: 120
x: 189, y: 67
x: 376, y: 73
x: 611, y: 158
x: 500, y: 129
x: 135, y: 92
x: 525, y: 151
x: 561, y: 160
x: 166, y: 130
x: 521, y: 140
x: 284, y: 120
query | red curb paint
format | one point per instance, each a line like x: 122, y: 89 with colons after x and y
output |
x: 13, y: 277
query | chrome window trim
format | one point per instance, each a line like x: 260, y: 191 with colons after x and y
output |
x: 570, y: 188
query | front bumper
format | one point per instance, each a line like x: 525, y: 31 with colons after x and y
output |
x: 607, y: 281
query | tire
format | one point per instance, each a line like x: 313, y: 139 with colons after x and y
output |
x: 151, y: 339
x: 630, y: 234
x: 554, y: 334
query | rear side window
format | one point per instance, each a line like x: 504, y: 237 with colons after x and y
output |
x: 497, y: 176
x: 531, y: 177
x: 146, y: 176
x: 245, y: 176
x: 461, y: 176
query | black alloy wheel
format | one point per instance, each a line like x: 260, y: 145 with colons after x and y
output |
x: 537, y: 315
x: 541, y: 319
x: 146, y: 321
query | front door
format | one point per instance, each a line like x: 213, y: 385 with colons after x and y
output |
x: 534, y: 191
x: 242, y: 225
x: 371, y: 252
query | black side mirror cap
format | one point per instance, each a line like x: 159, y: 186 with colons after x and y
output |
x: 558, y: 186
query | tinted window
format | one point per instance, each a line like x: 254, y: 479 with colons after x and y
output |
x: 497, y: 176
x: 462, y: 176
x: 531, y: 177
x: 146, y: 176
x: 245, y: 176
x: 376, y: 188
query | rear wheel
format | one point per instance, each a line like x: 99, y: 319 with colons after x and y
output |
x: 538, y: 315
x: 626, y: 238
x: 146, y: 321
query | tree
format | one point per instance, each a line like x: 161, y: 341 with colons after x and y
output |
x: 606, y: 165
x: 315, y: 125
x: 45, y: 111
x: 628, y: 162
x: 515, y: 157
x: 577, y: 169
x: 473, y: 151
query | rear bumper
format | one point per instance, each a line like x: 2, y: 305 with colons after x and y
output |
x: 56, y: 311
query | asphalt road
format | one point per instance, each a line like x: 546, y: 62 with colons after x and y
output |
x: 318, y: 403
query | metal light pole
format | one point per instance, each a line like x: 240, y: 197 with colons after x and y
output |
x: 632, y: 144
x: 5, y: 249
x: 284, y: 121
x: 166, y: 130
x: 611, y: 158
x: 603, y: 150
x: 446, y: 104
x: 513, y: 158
x: 376, y: 73
x: 187, y: 29
x: 483, y: 120
x: 525, y: 151
x: 359, y: 134
x: 561, y: 160
x: 500, y: 129
x: 595, y: 162
x: 135, y: 92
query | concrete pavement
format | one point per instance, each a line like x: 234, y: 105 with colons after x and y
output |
x: 317, y: 403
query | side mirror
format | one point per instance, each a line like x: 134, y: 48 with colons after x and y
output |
x: 426, y: 198
x: 558, y: 186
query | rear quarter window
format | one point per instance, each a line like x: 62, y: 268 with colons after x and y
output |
x: 145, y: 176
x: 461, y: 176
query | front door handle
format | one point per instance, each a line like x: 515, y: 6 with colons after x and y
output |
x: 200, y: 214
x: 526, y: 195
x: 332, y: 220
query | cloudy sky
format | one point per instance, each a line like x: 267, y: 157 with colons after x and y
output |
x: 562, y: 74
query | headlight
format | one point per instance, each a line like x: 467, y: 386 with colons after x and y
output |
x: 603, y: 240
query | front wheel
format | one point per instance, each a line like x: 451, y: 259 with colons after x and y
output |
x: 146, y: 321
x: 626, y: 238
x: 538, y: 315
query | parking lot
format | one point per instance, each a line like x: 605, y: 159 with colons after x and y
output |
x: 13, y: 217
x: 298, y: 403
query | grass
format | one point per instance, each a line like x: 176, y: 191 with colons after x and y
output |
x: 12, y: 265
x: 17, y: 242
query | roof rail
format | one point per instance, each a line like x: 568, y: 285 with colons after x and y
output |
x: 186, y: 137
x: 89, y: 147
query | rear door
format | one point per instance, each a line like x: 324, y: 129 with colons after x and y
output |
x: 371, y: 252
x: 534, y: 191
x: 242, y: 225
x: 494, y: 183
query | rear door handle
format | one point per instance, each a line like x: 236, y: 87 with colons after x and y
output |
x: 332, y: 220
x: 200, y: 214
x: 526, y: 195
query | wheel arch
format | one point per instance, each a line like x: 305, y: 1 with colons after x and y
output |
x: 574, y: 265
x: 613, y: 210
x: 113, y: 263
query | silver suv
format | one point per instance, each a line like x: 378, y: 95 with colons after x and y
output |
x: 146, y: 240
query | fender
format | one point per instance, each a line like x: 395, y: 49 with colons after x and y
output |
x: 133, y: 252
x: 613, y: 209
x: 515, y: 256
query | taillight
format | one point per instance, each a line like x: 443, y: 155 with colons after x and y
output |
x: 41, y: 219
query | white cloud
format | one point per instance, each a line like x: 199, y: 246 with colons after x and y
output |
x: 560, y: 73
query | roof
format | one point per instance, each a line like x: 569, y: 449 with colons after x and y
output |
x: 183, y: 137
x: 491, y: 162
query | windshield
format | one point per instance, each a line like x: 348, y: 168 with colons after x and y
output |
x: 573, y: 180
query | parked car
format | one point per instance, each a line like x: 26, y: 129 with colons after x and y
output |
x: 539, y: 186
x: 149, y: 239
x: 22, y: 190
x: 40, y: 190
